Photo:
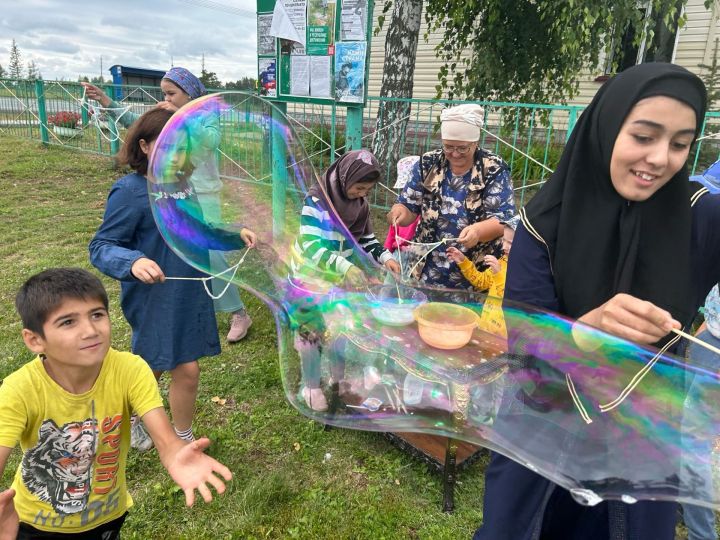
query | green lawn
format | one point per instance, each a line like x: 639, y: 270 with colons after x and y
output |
x: 284, y: 487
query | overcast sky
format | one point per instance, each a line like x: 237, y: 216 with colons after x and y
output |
x: 66, y: 38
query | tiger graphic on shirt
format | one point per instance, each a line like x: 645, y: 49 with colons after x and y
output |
x: 58, y: 469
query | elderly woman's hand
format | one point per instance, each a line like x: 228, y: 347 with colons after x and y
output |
x: 470, y: 236
x: 400, y: 215
x: 483, y: 231
x: 630, y: 318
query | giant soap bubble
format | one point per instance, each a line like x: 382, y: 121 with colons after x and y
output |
x: 602, y: 417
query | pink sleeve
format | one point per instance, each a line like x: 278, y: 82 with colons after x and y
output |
x: 390, y: 243
x: 408, y: 232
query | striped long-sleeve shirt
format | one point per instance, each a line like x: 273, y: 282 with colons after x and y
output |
x: 321, y: 252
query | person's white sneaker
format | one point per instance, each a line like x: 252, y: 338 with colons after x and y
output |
x: 239, y: 326
x: 315, y: 399
x: 140, y: 439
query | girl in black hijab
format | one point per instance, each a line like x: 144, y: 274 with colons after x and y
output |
x: 621, y: 240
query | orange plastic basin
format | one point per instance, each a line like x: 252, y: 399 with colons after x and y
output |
x: 445, y: 326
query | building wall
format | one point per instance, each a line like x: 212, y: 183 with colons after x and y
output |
x: 695, y: 44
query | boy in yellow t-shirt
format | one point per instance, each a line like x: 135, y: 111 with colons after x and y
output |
x: 70, y: 408
x: 491, y: 280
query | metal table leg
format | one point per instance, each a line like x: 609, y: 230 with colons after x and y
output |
x: 449, y: 476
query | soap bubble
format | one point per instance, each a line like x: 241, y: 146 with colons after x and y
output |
x: 602, y: 417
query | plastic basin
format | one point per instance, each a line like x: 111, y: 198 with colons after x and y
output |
x: 394, y: 305
x: 445, y: 326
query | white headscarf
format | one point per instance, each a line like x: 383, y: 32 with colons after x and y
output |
x: 461, y: 123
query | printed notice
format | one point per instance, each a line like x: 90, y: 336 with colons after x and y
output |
x: 289, y: 20
x: 300, y: 75
x: 321, y: 26
x: 320, y: 76
x: 266, y: 41
x: 267, y: 77
x: 353, y: 20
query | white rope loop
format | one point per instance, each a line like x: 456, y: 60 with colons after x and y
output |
x: 234, y: 268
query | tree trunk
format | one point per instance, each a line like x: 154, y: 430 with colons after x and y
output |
x: 398, y: 74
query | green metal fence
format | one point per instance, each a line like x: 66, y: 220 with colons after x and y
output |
x: 530, y: 137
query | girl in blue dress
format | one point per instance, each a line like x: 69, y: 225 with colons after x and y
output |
x: 173, y: 322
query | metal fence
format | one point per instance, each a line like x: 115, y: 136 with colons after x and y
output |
x: 530, y: 137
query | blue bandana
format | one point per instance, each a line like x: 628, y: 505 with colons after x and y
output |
x: 187, y: 82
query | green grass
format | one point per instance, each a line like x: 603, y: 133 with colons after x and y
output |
x: 52, y: 202
x: 53, y: 199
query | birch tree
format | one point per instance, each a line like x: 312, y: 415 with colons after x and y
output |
x: 397, y: 80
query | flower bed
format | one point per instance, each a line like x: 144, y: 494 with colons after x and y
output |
x: 64, y: 119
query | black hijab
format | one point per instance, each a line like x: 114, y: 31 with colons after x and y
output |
x: 599, y: 243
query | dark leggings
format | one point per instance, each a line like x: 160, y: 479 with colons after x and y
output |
x: 106, y: 531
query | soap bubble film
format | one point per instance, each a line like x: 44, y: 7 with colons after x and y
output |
x: 602, y: 417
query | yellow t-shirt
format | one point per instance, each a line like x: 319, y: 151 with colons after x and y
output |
x: 72, y: 475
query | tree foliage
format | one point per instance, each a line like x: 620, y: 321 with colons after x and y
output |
x: 3, y: 73
x: 711, y: 76
x: 15, y: 67
x: 210, y: 79
x: 246, y: 83
x: 33, y: 72
x: 536, y: 50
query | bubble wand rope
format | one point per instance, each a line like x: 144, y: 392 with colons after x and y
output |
x: 647, y: 367
x: 434, y: 245
x: 638, y: 377
x: 95, y: 116
x: 576, y: 399
x: 205, y: 280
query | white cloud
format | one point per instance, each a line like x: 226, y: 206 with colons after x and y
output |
x: 67, y: 39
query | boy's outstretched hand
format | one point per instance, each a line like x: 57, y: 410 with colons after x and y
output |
x: 9, y: 521
x: 192, y: 469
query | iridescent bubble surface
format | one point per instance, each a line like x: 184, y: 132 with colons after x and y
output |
x: 600, y: 416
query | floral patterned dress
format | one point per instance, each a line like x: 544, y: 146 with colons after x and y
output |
x: 448, y: 203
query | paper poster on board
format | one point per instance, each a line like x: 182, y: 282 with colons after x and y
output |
x: 290, y: 22
x: 321, y: 26
x: 300, y: 75
x: 266, y: 41
x: 320, y: 76
x: 267, y: 77
x: 350, y: 71
x: 353, y: 20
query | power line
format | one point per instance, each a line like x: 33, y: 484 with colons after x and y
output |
x: 217, y: 6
